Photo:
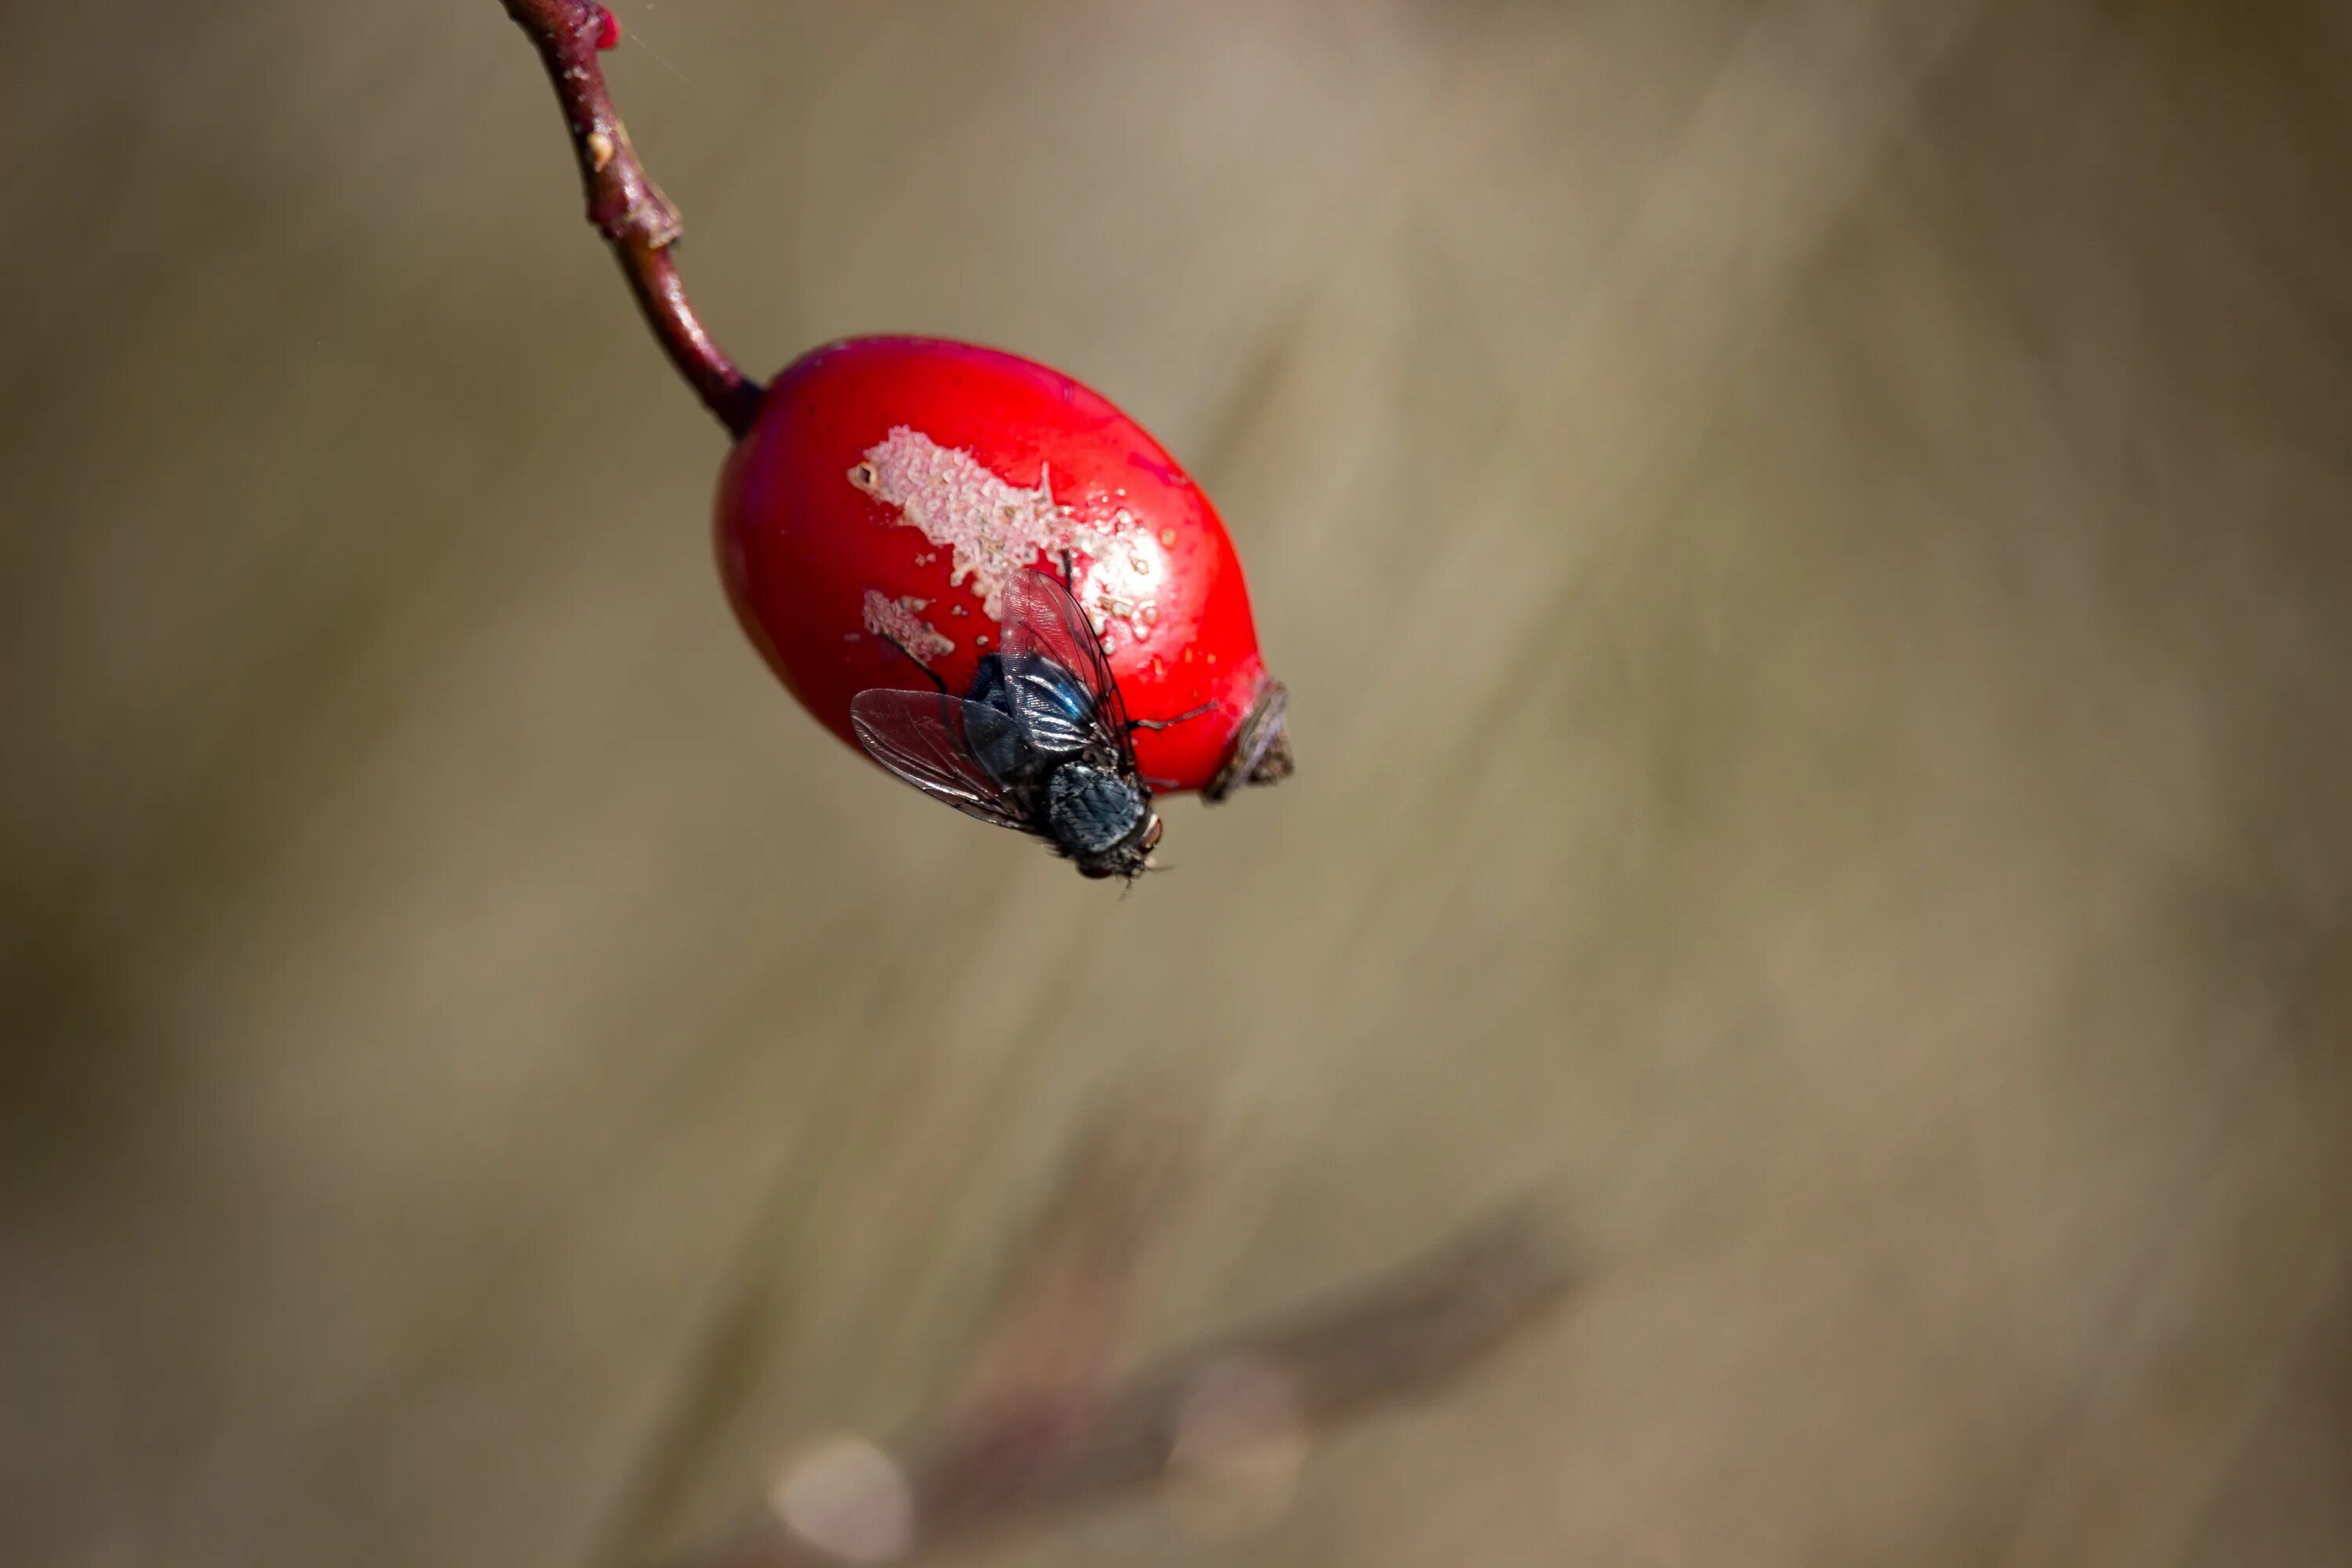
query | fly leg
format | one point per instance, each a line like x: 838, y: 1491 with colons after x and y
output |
x: 929, y: 673
x: 1135, y: 724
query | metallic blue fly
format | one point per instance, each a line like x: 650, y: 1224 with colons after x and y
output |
x: 1040, y: 743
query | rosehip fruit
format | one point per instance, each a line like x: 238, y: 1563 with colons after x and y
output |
x: 888, y: 490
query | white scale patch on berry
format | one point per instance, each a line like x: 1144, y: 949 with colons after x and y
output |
x: 901, y: 620
x: 995, y: 528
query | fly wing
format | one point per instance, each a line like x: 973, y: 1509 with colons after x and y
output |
x: 926, y: 738
x: 1041, y: 617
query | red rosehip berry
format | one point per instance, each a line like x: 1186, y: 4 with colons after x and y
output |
x: 890, y: 489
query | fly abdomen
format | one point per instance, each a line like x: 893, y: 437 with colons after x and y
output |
x: 1091, y: 811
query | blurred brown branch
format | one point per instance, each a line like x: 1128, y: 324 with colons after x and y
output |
x: 627, y: 208
x: 1040, y: 1426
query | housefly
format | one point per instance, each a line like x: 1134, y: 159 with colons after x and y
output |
x: 1040, y: 743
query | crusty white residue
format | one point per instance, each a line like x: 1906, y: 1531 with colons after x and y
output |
x: 994, y: 528
x: 901, y: 620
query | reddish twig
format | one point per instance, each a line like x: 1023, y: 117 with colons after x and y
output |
x: 627, y: 208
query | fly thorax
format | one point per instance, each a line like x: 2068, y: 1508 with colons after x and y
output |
x: 1052, y: 709
x: 1091, y: 810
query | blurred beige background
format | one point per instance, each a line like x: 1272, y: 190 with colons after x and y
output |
x: 1809, y: 541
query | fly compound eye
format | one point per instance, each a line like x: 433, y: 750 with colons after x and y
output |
x: 1152, y: 834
